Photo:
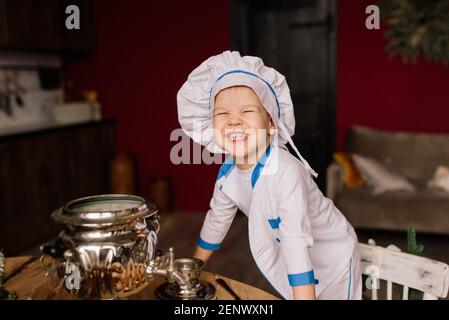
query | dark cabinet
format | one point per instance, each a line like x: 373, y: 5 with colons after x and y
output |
x: 40, y: 26
x: 40, y: 172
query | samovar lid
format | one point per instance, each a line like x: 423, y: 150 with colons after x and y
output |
x: 104, y: 210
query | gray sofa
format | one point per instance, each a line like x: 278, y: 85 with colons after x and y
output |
x: 414, y: 156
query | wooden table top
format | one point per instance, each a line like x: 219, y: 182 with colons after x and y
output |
x: 26, y: 277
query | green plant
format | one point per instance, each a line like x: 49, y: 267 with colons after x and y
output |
x: 417, y: 28
x: 416, y: 249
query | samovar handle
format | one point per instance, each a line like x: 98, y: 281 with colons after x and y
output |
x: 154, y: 221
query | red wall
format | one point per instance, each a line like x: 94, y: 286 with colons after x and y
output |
x: 376, y: 91
x: 144, y: 52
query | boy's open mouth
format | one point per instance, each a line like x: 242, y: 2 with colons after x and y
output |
x: 237, y: 136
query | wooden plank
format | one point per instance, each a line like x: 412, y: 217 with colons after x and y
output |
x: 405, y: 293
x: 25, y: 282
x: 374, y: 292
x: 412, y: 271
x: 389, y: 290
x: 13, y: 265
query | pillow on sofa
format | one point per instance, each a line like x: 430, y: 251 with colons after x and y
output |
x: 351, y: 176
x: 440, y: 179
x: 379, y: 177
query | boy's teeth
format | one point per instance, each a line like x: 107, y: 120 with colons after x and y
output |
x: 237, y: 136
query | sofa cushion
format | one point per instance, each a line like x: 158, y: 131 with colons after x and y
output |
x: 415, y: 156
x: 379, y: 178
x: 441, y: 179
x: 351, y: 176
x: 427, y: 210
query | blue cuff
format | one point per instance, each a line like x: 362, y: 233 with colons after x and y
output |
x: 208, y: 246
x: 302, y: 279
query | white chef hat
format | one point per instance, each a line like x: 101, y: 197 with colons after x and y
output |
x: 197, y: 96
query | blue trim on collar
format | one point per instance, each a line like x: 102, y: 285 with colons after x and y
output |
x: 226, y: 168
x: 274, y: 223
x: 251, y: 74
x: 302, y: 279
x: 259, y: 166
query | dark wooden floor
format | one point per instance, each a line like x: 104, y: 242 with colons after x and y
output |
x: 234, y: 258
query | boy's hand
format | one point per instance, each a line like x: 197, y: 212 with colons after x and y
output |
x: 304, y: 292
x: 202, y: 254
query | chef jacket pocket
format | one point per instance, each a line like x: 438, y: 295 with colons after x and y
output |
x: 274, y: 225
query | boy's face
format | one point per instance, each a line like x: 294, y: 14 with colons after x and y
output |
x: 241, y: 124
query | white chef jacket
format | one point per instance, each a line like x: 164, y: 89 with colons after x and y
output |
x: 297, y: 236
x: 245, y: 189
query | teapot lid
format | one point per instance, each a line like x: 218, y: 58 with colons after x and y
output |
x: 104, y: 210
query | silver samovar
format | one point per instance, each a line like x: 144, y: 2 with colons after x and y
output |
x: 109, y: 250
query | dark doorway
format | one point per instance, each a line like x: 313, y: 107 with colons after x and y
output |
x: 298, y: 39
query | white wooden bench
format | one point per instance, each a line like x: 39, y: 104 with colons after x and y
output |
x: 393, y: 266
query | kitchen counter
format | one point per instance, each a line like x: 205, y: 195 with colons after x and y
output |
x: 26, y: 277
x: 37, y: 128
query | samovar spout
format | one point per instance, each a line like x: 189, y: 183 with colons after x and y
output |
x: 164, y: 266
